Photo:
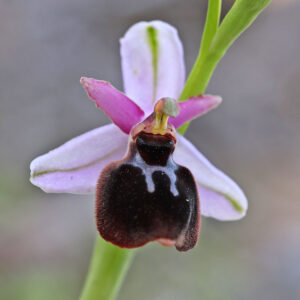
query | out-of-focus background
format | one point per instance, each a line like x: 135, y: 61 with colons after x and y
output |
x: 254, y: 136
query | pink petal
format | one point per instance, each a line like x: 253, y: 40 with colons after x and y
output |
x: 75, y: 166
x: 122, y: 111
x: 220, y: 197
x: 195, y: 107
x: 152, y: 63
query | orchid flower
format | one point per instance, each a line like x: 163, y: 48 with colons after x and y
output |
x: 125, y: 158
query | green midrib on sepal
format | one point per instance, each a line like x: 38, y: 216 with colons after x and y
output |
x: 235, y: 204
x: 36, y: 174
x: 153, y: 43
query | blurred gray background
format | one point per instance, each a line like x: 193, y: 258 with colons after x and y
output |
x: 46, y: 239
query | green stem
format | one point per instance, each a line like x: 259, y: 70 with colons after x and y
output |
x: 107, y: 270
x: 210, y: 29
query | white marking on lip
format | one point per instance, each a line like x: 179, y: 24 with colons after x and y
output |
x: 148, y: 170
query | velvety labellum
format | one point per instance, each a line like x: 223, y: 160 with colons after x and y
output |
x: 147, y: 197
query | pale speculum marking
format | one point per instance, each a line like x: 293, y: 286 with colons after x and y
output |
x: 148, y: 170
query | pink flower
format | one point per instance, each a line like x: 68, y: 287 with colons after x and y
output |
x: 153, y: 68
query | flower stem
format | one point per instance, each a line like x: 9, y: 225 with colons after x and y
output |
x: 107, y: 270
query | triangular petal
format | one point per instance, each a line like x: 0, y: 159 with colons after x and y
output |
x: 195, y: 107
x: 220, y: 197
x: 75, y: 166
x: 121, y: 110
x: 152, y: 63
